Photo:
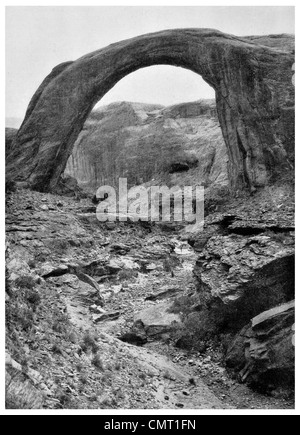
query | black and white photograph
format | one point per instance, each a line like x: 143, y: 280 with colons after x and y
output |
x: 149, y: 246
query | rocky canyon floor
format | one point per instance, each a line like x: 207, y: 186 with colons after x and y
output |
x: 95, y: 315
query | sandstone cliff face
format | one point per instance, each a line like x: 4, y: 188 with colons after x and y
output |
x: 246, y: 263
x: 246, y: 284
x: 178, y: 145
x: 252, y: 77
x: 246, y: 258
x: 10, y: 136
x: 240, y: 277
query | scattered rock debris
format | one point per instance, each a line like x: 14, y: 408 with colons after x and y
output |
x: 83, y: 342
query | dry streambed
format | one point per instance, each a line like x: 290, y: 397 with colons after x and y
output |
x: 89, y: 309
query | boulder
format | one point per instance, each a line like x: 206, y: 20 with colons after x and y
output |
x: 157, y: 320
x: 96, y: 309
x: 263, y: 353
x: 165, y: 292
x: 106, y: 317
x: 134, y: 338
x: 242, y: 276
x: 49, y: 271
x: 114, y: 266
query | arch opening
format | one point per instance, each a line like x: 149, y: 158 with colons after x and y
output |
x: 154, y: 124
x: 159, y: 84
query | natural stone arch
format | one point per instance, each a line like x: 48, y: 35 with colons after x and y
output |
x: 252, y: 78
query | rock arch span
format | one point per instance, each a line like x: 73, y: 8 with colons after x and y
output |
x: 252, y: 78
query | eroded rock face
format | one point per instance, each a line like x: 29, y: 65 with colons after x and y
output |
x: 246, y: 260
x: 178, y: 145
x: 10, y: 136
x: 254, y: 93
x: 263, y: 353
x: 239, y: 277
x: 68, y: 186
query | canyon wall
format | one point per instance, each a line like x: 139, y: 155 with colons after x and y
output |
x: 177, y: 145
